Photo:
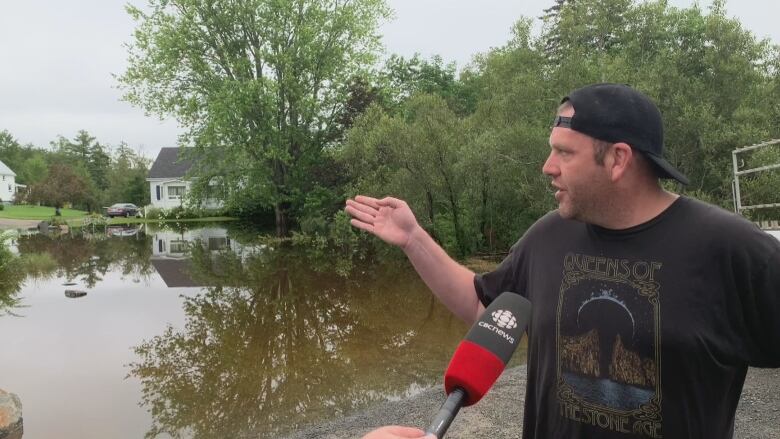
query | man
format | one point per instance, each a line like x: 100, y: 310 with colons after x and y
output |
x: 648, y: 306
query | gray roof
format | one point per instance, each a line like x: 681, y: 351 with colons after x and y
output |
x: 168, y: 165
x: 5, y: 170
x: 175, y: 272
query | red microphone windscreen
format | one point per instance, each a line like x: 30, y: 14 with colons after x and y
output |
x: 474, y: 369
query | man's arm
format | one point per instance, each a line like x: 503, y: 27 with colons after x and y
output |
x: 451, y: 282
x: 391, y: 220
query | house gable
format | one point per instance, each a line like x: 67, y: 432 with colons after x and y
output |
x: 168, y: 182
x: 169, y: 165
x: 5, y: 170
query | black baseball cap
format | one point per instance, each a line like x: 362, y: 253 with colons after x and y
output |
x: 618, y: 113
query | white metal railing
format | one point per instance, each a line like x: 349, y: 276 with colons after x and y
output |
x: 738, y: 207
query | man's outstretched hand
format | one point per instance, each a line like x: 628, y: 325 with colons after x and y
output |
x: 390, y: 219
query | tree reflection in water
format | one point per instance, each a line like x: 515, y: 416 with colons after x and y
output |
x: 11, y: 277
x: 83, y: 255
x: 86, y: 255
x: 272, y: 345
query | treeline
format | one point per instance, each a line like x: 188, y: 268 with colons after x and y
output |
x: 80, y: 172
x: 289, y: 111
x: 474, y: 176
x: 287, y: 108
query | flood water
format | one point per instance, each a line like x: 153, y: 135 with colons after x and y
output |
x: 204, y: 332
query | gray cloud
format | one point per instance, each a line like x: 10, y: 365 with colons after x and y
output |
x: 57, y: 58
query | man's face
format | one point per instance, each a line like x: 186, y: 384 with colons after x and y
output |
x: 583, y: 186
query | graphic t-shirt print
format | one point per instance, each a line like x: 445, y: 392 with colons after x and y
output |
x: 608, y: 344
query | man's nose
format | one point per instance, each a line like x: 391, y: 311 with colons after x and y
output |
x: 550, y: 166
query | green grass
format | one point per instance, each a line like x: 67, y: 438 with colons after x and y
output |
x: 38, y: 212
x: 75, y: 217
x: 78, y: 222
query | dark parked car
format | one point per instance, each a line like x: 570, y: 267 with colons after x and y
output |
x: 123, y: 209
x: 122, y: 230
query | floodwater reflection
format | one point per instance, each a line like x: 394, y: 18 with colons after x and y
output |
x: 271, y: 345
x: 268, y: 338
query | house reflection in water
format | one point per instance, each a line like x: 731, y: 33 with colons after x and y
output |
x: 171, y: 252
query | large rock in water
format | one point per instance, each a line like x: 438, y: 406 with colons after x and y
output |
x: 10, y: 416
x: 74, y: 294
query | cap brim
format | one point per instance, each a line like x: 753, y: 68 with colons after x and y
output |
x: 666, y: 169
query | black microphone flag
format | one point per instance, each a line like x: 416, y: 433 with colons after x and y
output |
x: 482, y: 355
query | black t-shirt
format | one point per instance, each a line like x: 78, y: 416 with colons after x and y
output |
x: 645, y: 332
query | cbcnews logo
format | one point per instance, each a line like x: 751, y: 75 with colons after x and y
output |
x: 504, y: 319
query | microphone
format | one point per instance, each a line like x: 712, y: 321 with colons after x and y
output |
x: 481, y: 357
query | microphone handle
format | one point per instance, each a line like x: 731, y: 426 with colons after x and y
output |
x: 441, y: 422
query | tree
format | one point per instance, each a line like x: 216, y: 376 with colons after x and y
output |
x: 127, y: 177
x: 12, y: 273
x: 98, y: 165
x: 424, y: 145
x: 28, y: 163
x: 86, y: 154
x: 403, y: 78
x: 361, y: 94
x: 62, y: 185
x: 258, y: 84
x: 79, y: 149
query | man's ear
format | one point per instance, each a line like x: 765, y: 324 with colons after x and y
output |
x: 622, y: 157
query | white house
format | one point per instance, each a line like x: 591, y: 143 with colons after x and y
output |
x: 171, y: 252
x: 167, y: 244
x: 168, y: 182
x: 7, y: 183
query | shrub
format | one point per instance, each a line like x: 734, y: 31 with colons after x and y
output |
x: 180, y: 213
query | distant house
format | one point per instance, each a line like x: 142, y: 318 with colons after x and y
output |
x: 168, y: 182
x: 8, y: 186
x: 171, y: 252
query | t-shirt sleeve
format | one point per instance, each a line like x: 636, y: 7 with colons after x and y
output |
x: 761, y: 308
x: 504, y: 278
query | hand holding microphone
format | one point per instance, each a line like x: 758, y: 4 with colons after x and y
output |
x: 481, y: 357
x: 477, y: 363
x: 397, y: 432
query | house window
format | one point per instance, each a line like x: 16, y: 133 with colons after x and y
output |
x: 158, y: 192
x: 175, y: 192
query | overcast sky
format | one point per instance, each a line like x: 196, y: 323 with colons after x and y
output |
x: 57, y: 58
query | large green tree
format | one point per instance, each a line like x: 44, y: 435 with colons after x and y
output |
x: 88, y: 158
x: 62, y: 185
x: 258, y: 85
x: 127, y: 177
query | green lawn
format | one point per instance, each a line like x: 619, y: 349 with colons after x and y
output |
x: 37, y: 212
x: 74, y: 217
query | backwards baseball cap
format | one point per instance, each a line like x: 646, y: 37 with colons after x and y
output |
x: 618, y: 113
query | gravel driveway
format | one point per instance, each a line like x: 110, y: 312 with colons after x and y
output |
x: 8, y: 223
x: 499, y: 414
